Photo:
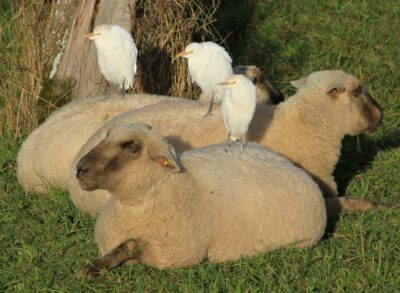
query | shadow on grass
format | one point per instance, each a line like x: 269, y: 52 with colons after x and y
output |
x: 357, y: 155
x: 233, y: 21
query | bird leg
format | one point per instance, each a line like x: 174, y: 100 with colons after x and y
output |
x: 242, y: 145
x: 123, y: 90
x: 210, y: 107
x: 127, y: 250
x: 109, y: 90
x: 228, y: 143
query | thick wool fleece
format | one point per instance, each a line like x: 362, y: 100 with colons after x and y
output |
x: 46, y: 155
x: 222, y: 206
x: 307, y: 129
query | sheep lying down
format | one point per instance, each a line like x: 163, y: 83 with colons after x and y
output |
x: 307, y: 129
x: 46, y: 155
x: 170, y: 211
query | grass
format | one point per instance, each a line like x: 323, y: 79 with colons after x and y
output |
x: 44, y: 240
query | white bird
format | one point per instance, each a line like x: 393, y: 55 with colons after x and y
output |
x: 238, y: 107
x: 209, y: 64
x: 116, y: 54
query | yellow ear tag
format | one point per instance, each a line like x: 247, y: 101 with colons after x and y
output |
x: 164, y: 161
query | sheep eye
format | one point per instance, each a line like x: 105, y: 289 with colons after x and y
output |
x: 357, y: 91
x: 130, y: 146
x: 336, y: 90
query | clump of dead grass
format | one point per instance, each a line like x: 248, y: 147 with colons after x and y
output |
x: 21, y: 74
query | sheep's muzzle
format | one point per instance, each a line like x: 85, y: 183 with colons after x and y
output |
x: 86, y: 175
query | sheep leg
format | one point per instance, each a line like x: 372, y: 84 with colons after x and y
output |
x: 210, y: 107
x: 335, y: 205
x: 129, y: 249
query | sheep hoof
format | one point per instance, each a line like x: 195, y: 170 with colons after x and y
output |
x: 351, y: 204
x: 88, y: 272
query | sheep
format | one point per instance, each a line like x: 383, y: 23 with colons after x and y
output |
x: 170, y: 211
x: 46, y: 155
x: 307, y: 129
x: 267, y: 93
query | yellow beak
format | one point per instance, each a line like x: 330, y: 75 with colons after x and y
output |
x: 91, y: 35
x: 183, y: 53
x: 227, y: 83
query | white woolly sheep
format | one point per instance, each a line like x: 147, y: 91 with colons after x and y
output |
x: 307, y: 129
x: 173, y: 211
x: 46, y: 155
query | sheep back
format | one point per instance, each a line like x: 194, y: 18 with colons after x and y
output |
x: 223, y: 206
x: 46, y: 155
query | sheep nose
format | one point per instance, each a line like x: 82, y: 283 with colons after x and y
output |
x: 81, y: 170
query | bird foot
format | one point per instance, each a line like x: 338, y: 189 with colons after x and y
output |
x: 209, y: 113
x: 242, y: 146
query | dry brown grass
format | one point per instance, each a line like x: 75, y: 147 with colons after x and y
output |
x: 22, y: 80
x: 161, y: 29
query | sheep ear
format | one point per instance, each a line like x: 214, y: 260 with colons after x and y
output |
x: 299, y: 83
x: 164, y: 155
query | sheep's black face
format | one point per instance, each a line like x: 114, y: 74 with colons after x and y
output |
x: 368, y: 107
x: 357, y: 109
x: 107, y: 158
x: 366, y: 115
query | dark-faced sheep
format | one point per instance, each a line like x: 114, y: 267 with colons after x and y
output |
x: 170, y: 210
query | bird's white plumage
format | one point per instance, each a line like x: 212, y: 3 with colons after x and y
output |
x: 238, y: 105
x: 209, y: 64
x: 116, y: 54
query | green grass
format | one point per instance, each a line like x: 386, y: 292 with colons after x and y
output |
x: 44, y: 240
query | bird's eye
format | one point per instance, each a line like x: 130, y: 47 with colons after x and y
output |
x: 357, y: 92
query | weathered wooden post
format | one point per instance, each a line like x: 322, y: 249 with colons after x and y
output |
x: 78, y: 61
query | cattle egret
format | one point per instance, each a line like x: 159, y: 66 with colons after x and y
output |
x: 209, y: 64
x: 116, y: 54
x: 238, y: 106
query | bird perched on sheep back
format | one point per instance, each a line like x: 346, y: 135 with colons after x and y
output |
x: 238, y: 106
x: 267, y: 93
x: 116, y: 54
x: 209, y: 64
